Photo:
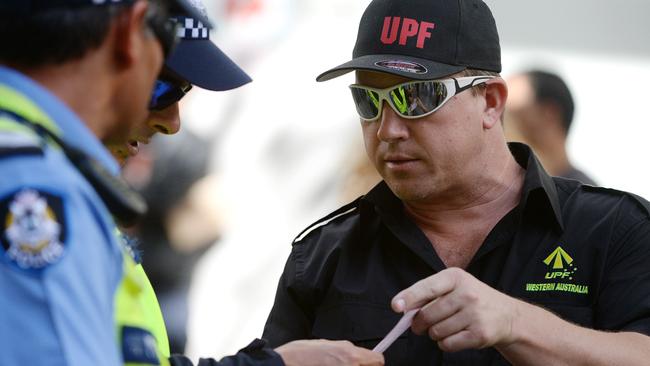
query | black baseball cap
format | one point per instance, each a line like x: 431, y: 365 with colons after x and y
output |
x: 424, y: 39
x: 23, y: 8
x: 198, y: 60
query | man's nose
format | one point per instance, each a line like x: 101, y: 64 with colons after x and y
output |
x: 166, y: 121
x: 391, y: 126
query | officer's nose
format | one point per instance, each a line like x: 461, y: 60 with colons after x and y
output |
x: 166, y: 121
x: 391, y: 126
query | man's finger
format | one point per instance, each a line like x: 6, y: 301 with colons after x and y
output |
x: 424, y: 291
x: 449, y: 326
x: 372, y: 359
x: 434, y: 312
x: 460, y: 341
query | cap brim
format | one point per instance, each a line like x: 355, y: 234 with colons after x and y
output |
x: 405, y: 66
x: 203, y: 64
x: 183, y: 7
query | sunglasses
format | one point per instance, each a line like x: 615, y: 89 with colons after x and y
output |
x: 166, y: 93
x: 413, y: 99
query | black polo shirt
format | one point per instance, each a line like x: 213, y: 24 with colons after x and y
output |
x: 579, y: 251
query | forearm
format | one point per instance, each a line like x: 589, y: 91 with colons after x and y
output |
x: 257, y: 353
x: 542, y: 338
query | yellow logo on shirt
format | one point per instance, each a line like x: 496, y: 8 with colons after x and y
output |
x: 561, y: 267
x: 558, y: 256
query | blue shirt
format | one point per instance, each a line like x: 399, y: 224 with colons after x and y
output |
x: 60, y: 261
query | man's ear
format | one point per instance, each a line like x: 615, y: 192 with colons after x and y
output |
x: 128, y: 30
x: 496, y: 93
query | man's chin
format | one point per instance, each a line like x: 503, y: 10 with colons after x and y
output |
x: 121, y: 154
x: 409, y: 191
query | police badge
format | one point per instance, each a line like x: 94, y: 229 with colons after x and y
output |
x: 34, y: 229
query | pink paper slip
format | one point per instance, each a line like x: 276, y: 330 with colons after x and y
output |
x: 402, y: 325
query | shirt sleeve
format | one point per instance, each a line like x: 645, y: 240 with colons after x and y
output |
x: 290, y: 317
x: 59, y: 269
x: 255, y: 354
x: 624, y: 300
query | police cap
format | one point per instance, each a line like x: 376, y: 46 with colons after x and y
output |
x: 24, y: 8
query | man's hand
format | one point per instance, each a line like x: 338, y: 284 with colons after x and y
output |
x: 321, y: 352
x: 459, y: 311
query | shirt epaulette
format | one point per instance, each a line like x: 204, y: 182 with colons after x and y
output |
x: 342, y: 211
x: 640, y: 201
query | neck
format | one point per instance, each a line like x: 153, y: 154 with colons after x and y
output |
x: 486, y: 199
x: 84, y: 86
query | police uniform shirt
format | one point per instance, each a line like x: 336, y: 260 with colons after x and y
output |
x: 60, y: 263
x: 581, y: 252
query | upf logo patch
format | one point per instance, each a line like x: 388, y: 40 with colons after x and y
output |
x: 560, y: 265
x: 559, y: 274
x: 409, y: 28
x: 33, y: 229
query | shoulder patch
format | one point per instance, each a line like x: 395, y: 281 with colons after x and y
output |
x: 349, y: 208
x: 33, y: 228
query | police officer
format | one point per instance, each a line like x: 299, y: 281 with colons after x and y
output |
x: 197, y: 61
x: 73, y: 73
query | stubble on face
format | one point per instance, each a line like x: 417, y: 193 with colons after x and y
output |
x: 426, y: 159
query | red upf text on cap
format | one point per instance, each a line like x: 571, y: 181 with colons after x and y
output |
x: 410, y: 28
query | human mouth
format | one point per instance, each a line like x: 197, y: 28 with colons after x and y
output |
x: 399, y: 161
x: 133, y: 148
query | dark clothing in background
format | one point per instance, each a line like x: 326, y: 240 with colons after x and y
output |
x: 579, y: 175
x: 582, y: 252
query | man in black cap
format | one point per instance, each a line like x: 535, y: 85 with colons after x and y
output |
x: 495, y: 260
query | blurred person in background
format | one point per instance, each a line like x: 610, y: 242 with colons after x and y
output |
x: 539, y: 112
x: 496, y: 261
x: 359, y: 175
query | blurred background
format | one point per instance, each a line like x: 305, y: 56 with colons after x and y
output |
x: 262, y: 162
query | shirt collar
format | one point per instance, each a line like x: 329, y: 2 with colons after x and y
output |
x: 539, y: 192
x: 538, y: 185
x: 74, y: 131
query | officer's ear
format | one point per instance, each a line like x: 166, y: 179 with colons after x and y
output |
x: 128, y: 32
x: 496, y: 93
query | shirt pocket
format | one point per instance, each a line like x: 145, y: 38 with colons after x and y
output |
x: 363, y: 324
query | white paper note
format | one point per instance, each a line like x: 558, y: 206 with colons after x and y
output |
x: 402, y: 325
